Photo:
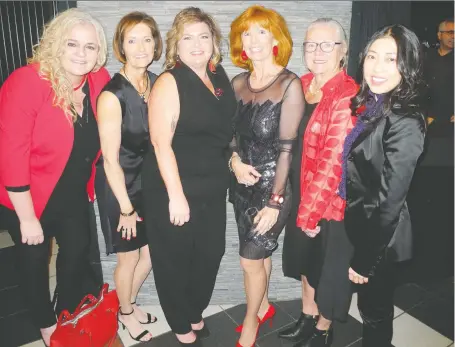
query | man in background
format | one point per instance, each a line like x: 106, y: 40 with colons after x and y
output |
x: 439, y: 75
x: 430, y: 198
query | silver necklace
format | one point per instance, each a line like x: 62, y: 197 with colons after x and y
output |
x: 141, y: 94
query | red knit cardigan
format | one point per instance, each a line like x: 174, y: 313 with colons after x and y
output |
x: 323, y: 142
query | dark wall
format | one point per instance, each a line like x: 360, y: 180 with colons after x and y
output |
x: 423, y: 17
x: 367, y: 18
x: 426, y: 16
x: 21, y: 24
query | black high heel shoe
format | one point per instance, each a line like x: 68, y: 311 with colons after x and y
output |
x: 141, y: 335
x: 150, y: 318
x: 301, y: 330
x: 195, y: 343
x: 320, y: 338
x: 202, y: 333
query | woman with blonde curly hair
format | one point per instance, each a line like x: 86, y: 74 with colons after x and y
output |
x: 269, y: 110
x: 186, y: 176
x: 49, y: 145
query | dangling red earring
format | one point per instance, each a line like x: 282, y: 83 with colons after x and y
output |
x: 275, y: 50
x: 177, y: 62
x: 212, y: 67
x: 244, y: 56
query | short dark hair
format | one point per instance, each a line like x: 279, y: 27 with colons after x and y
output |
x: 129, y: 21
x: 406, y: 98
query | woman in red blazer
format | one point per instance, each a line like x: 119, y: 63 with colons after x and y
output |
x: 49, y: 145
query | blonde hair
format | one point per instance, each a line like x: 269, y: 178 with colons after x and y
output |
x: 48, y: 51
x: 190, y: 15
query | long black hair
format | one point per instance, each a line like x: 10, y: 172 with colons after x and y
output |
x: 407, y: 97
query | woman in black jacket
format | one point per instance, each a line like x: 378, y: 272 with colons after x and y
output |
x: 379, y: 158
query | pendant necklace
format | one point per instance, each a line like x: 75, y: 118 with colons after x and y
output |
x: 141, y: 94
x: 312, y: 87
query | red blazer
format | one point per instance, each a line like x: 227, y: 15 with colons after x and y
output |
x: 323, y: 146
x: 36, y: 138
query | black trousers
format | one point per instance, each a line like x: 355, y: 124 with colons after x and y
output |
x: 186, y: 258
x: 375, y: 303
x: 75, y: 275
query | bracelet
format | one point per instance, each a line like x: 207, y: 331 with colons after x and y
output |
x: 279, y: 199
x: 129, y: 214
x: 230, y: 163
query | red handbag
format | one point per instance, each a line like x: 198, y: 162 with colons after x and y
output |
x: 93, y: 323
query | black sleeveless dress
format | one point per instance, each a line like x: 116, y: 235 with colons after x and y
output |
x: 200, y: 140
x: 134, y: 145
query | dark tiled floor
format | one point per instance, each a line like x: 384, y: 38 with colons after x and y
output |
x: 430, y: 302
x: 222, y: 327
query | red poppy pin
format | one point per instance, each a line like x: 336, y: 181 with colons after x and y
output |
x: 219, y: 92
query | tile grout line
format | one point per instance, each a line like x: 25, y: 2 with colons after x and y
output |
x: 353, y: 343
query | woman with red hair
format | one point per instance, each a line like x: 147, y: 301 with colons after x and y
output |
x: 270, y: 105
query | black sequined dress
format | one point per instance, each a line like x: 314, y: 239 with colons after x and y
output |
x: 266, y: 126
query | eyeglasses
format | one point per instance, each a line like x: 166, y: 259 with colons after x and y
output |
x: 253, y: 236
x: 326, y: 47
x: 449, y: 32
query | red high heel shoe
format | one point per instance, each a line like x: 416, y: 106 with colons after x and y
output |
x: 268, y: 316
x: 257, y: 332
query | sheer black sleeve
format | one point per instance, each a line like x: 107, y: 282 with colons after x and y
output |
x: 292, y: 111
x: 237, y: 82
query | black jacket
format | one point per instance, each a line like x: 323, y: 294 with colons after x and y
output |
x: 380, y: 167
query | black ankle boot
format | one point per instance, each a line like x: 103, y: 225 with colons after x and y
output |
x: 320, y: 338
x: 301, y: 330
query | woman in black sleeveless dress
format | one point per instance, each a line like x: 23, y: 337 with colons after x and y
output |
x: 186, y: 176
x: 124, y: 137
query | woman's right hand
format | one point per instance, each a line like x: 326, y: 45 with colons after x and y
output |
x: 179, y: 210
x: 245, y: 174
x: 127, y: 225
x: 32, y: 232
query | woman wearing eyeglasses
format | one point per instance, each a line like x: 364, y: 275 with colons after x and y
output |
x: 316, y: 249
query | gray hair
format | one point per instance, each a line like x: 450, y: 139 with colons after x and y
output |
x: 341, y: 34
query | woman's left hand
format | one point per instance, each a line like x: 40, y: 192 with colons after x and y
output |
x: 266, y: 219
x: 356, y: 278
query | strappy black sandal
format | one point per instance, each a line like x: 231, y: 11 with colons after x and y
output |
x: 150, y: 318
x: 141, y: 335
